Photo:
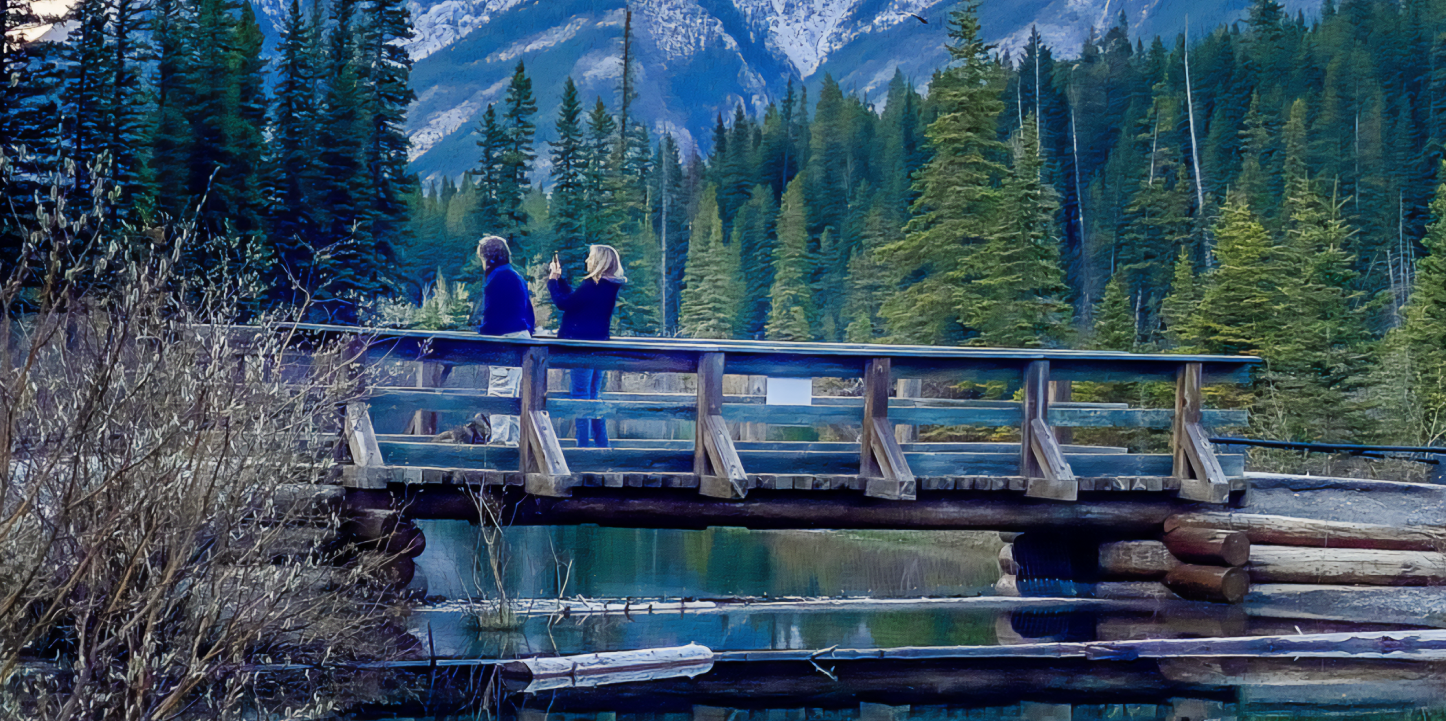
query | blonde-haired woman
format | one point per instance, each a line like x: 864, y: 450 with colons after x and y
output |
x: 587, y: 314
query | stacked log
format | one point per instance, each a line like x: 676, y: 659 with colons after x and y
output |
x: 1194, y: 563
x: 380, y: 528
x: 1287, y: 550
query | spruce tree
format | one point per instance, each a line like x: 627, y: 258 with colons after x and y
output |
x: 710, y: 302
x: 292, y: 170
x: 171, y: 136
x: 755, y: 234
x: 1238, y: 306
x: 388, y: 92
x: 955, y: 211
x: 1019, y: 301
x: 1425, y: 328
x: 488, y: 216
x: 791, y: 315
x: 515, y: 163
x: 1180, y: 304
x: 1115, y: 327
x: 597, y: 179
x: 566, y: 210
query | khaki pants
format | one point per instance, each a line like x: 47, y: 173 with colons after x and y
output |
x: 505, y: 382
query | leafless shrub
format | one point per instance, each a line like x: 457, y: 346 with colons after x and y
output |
x: 146, y: 447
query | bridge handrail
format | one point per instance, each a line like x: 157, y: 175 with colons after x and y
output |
x: 717, y: 465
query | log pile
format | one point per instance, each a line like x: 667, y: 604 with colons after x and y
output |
x: 1289, y: 551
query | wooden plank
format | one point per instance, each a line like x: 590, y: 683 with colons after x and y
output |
x: 907, y: 388
x: 1290, y: 531
x: 360, y: 438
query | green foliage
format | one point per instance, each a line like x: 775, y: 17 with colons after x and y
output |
x: 1237, y: 306
x: 1424, y: 334
x: 791, y: 316
x: 711, y: 291
x: 1115, y: 327
x: 957, y: 203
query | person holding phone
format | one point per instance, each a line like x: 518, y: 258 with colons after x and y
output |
x: 587, y: 314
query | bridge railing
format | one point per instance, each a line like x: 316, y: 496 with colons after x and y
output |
x: 718, y: 466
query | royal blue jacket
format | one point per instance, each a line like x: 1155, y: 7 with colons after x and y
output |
x: 587, y: 313
x: 506, y: 304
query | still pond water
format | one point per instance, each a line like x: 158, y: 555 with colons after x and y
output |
x: 597, y: 563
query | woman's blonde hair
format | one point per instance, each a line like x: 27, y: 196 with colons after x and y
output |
x: 604, y: 262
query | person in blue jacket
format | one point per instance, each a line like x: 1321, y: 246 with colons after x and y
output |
x: 507, y: 312
x: 587, y: 314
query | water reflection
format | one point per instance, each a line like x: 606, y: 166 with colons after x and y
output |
x: 547, y: 562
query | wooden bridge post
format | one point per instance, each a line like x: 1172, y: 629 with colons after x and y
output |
x: 881, y: 460
x: 715, y: 460
x: 908, y: 388
x: 1041, y: 462
x: 1062, y: 392
x: 1201, y: 478
x: 544, y: 469
x: 430, y: 374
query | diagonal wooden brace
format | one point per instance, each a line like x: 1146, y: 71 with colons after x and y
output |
x: 898, y: 482
x: 361, y: 440
x: 715, y: 460
x: 545, y: 470
x: 724, y: 476
x: 1058, y: 482
x: 1201, y: 478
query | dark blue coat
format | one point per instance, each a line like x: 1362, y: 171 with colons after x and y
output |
x: 506, y: 305
x: 587, y: 313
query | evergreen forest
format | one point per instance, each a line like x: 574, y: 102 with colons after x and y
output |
x: 1275, y: 187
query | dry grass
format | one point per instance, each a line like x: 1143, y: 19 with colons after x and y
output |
x: 142, y: 447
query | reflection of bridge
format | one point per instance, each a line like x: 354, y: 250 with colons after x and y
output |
x: 876, y: 481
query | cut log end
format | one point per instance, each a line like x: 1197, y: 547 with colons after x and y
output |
x: 1209, y: 583
x: 1209, y: 546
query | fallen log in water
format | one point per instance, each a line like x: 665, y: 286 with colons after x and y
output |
x: 597, y: 669
x: 1290, y: 531
x: 1408, y: 645
x: 1345, y: 566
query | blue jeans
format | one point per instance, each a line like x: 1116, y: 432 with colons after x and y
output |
x: 587, y: 383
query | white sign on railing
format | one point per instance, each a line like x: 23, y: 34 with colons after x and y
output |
x: 789, y: 392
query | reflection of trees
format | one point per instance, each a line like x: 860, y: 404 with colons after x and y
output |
x: 831, y: 563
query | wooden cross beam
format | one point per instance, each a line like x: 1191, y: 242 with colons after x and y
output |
x: 881, y: 460
x: 544, y: 468
x: 715, y: 460
x: 361, y: 440
x: 1201, y: 478
x: 1040, y: 459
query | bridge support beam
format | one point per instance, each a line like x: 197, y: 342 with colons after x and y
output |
x: 1040, y: 459
x: 881, y: 460
x: 1201, y: 478
x: 543, y: 466
x: 715, y: 460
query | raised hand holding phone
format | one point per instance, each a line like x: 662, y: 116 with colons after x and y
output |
x: 555, y: 269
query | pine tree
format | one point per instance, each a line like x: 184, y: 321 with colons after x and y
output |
x: 710, y: 298
x: 1115, y: 327
x: 755, y: 234
x: 388, y: 70
x: 171, y: 139
x: 569, y: 164
x: 490, y: 173
x: 1019, y: 301
x: 1316, y: 359
x: 791, y: 315
x: 597, y: 179
x: 292, y: 170
x: 954, y: 212
x: 1180, y: 304
x: 1425, y: 329
x: 1238, y: 306
x: 515, y: 163
x: 350, y: 265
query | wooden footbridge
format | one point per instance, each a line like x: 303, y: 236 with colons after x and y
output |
x: 717, y: 479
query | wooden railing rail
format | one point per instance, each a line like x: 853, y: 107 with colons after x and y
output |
x: 722, y: 469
